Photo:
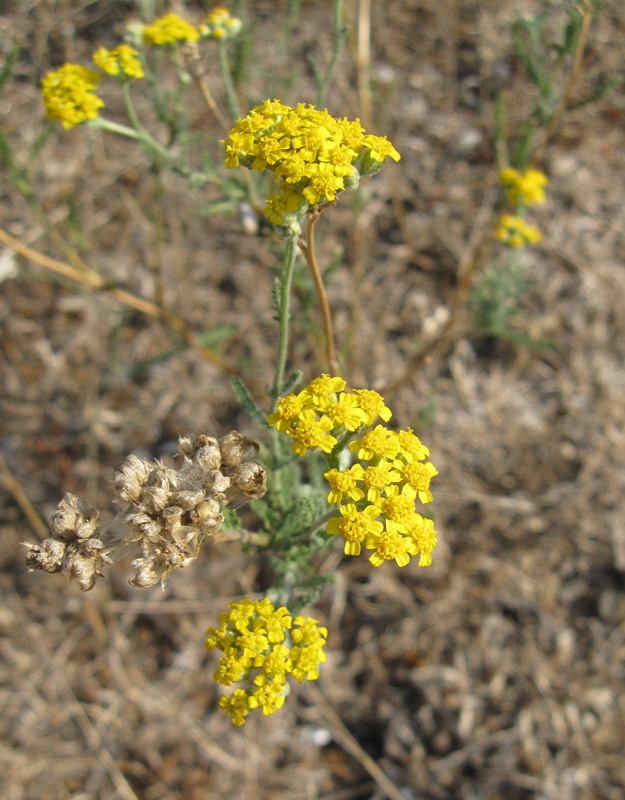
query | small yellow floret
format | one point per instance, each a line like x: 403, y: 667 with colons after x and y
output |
x: 354, y: 526
x: 310, y: 433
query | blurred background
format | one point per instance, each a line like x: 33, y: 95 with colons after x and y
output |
x: 499, y: 671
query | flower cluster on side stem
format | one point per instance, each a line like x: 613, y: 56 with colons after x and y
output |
x: 69, y: 95
x: 523, y: 189
x: 377, y: 495
x: 260, y: 645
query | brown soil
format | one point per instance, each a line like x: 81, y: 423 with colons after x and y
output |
x: 496, y: 673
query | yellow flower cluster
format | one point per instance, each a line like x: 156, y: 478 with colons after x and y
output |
x: 515, y: 232
x: 522, y: 189
x: 312, y: 154
x: 394, y: 476
x: 220, y: 25
x: 529, y: 185
x: 170, y: 29
x: 69, y: 96
x: 122, y: 61
x: 252, y: 637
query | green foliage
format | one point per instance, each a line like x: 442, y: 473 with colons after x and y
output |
x: 7, y: 70
x: 495, y: 301
x: 246, y: 401
x: 210, y: 339
x: 544, y: 50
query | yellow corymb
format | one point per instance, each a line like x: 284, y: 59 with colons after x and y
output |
x: 69, y: 95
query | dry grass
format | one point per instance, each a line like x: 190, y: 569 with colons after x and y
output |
x: 497, y: 673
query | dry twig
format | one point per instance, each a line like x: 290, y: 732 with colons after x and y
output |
x: 94, y: 281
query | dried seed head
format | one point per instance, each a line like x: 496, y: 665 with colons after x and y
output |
x: 207, y: 453
x: 146, y: 573
x: 47, y: 556
x: 186, y: 499
x: 251, y: 478
x: 185, y: 446
x: 131, y: 478
x: 208, y: 508
x: 154, y: 568
x: 142, y: 527
x: 236, y: 449
x: 172, y: 516
x: 83, y: 561
x: 217, y: 483
x: 74, y: 519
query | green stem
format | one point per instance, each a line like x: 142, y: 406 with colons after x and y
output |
x: 156, y: 148
x: 100, y: 123
x: 340, y: 34
x: 143, y: 135
x: 232, y: 98
x: 285, y: 296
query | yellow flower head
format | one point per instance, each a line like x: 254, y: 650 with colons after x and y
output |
x: 121, y: 62
x: 310, y: 433
x: 422, y: 532
x: 220, y: 25
x: 390, y: 546
x: 321, y: 391
x: 288, y: 411
x: 312, y: 154
x: 376, y: 478
x: 343, y: 483
x: 373, y: 406
x: 529, y: 186
x: 68, y: 95
x: 417, y: 477
x: 354, y: 526
x: 235, y: 706
x: 378, y: 443
x: 170, y: 29
x: 515, y: 232
x: 344, y: 412
x: 250, y: 637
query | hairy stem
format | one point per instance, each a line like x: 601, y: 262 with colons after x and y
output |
x: 285, y: 296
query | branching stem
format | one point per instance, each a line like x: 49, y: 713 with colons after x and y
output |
x: 308, y: 251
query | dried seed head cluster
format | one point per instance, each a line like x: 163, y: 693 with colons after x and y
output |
x: 169, y: 511
x: 74, y: 549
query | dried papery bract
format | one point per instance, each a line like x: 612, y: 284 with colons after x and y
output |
x: 168, y: 512
x: 74, y: 549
